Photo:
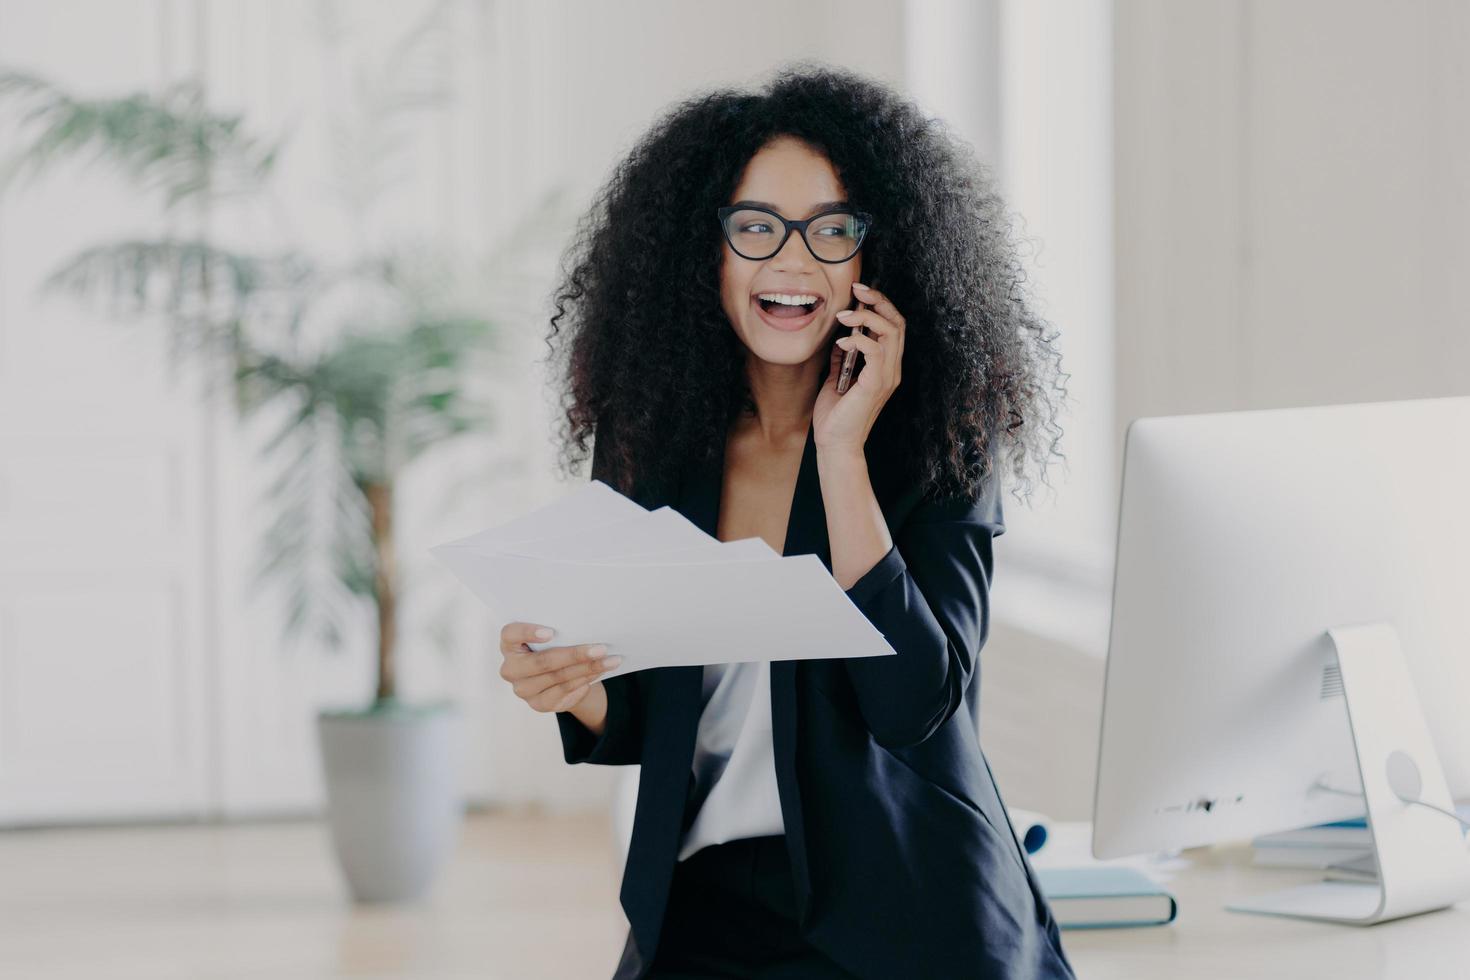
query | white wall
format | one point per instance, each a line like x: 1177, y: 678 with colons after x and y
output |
x: 104, y: 521
x: 1056, y: 173
x: 1028, y: 86
x: 1293, y: 200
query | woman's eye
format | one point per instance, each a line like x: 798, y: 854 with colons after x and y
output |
x: 761, y: 225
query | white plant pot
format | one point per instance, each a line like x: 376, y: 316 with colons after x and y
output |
x: 394, y: 804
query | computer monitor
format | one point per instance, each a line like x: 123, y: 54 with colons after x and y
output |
x: 1273, y: 566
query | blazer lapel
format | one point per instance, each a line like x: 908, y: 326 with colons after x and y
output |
x: 806, y: 533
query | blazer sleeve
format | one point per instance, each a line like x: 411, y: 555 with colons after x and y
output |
x: 621, y: 742
x: 930, y: 598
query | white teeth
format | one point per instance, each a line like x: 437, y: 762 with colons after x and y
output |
x: 790, y: 299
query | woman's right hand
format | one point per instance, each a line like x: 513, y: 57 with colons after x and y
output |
x: 553, y: 679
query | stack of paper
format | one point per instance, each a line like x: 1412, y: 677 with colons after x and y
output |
x: 1342, y: 849
x: 658, y: 591
x: 1323, y: 847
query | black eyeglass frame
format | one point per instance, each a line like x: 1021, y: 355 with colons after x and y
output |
x: 792, y: 225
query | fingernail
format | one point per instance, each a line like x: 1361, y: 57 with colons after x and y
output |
x: 597, y: 651
x: 844, y: 314
x: 612, y: 661
x: 544, y: 633
x: 858, y: 285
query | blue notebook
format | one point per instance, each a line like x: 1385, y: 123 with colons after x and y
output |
x: 1102, y: 898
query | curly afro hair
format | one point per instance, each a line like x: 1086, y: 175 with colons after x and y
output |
x: 657, y: 374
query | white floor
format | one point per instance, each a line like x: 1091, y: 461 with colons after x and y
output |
x: 525, y: 897
x: 534, y: 897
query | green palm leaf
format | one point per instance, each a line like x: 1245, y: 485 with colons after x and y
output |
x: 172, y: 143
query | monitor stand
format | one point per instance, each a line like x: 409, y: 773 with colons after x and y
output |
x: 1423, y: 863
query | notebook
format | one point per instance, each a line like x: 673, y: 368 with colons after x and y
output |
x: 1100, y: 898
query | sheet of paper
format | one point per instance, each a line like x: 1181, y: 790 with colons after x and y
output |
x: 657, y: 614
x: 655, y: 588
x: 745, y: 549
x: 594, y: 503
x: 656, y: 530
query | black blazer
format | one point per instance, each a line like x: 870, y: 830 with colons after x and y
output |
x: 905, y: 864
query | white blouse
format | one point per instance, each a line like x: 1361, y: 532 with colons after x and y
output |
x: 734, y: 767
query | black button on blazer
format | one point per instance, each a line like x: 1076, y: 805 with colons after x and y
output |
x: 905, y: 864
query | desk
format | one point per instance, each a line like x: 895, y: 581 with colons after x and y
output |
x: 1206, y: 941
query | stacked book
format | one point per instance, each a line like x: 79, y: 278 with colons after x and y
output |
x: 1101, y: 897
x: 1342, y: 851
x: 1082, y: 892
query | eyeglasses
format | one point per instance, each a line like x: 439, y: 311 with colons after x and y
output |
x: 759, y: 233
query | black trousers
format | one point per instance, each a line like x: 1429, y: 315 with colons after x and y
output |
x: 732, y: 913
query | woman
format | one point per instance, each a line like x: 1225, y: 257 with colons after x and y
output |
x: 826, y: 817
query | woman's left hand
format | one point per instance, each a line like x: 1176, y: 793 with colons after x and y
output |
x: 844, y: 421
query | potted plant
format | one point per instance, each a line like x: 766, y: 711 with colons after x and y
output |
x: 384, y: 389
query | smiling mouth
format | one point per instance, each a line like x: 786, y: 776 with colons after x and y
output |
x: 783, y: 312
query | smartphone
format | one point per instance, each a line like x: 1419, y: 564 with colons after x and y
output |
x: 849, y: 360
